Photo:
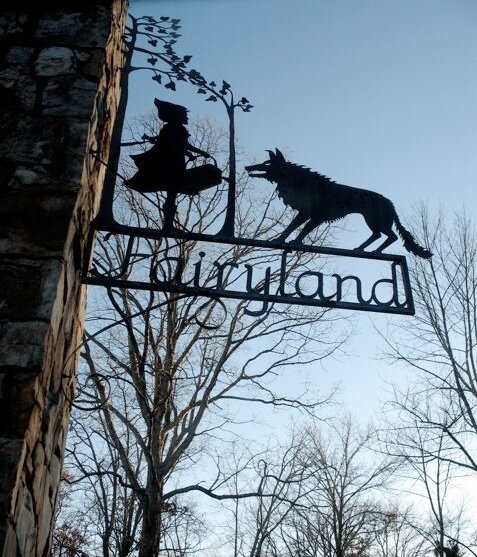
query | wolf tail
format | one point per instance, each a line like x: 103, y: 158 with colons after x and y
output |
x: 409, y: 242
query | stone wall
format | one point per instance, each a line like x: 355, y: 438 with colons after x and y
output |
x: 59, y: 85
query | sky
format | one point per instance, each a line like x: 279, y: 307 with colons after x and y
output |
x: 377, y: 94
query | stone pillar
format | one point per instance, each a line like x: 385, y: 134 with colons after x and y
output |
x: 59, y: 90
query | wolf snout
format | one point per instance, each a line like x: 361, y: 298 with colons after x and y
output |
x: 255, y: 170
x: 252, y: 167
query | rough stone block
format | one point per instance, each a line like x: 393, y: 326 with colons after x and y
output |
x: 25, y: 523
x: 10, y: 541
x: 20, y: 286
x: 19, y: 246
x: 19, y: 55
x: 38, y: 457
x: 20, y: 85
x: 21, y: 344
x: 11, y: 451
x: 37, y: 214
x: 91, y: 63
x: 40, y: 480
x: 54, y: 473
x: 54, y: 61
x: 18, y: 399
x: 28, y: 288
x: 36, y: 140
x: 59, y: 26
x: 12, y: 23
x: 24, y: 400
x: 62, y: 94
x: 46, y: 514
x: 82, y: 29
x: 29, y: 176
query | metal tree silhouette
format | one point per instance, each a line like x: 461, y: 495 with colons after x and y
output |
x: 224, y: 94
x: 150, y: 46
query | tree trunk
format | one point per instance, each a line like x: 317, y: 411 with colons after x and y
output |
x: 228, y: 229
x: 151, y: 522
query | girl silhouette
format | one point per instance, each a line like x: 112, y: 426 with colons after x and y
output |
x: 164, y: 166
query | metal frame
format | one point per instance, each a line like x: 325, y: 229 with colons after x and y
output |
x: 91, y: 276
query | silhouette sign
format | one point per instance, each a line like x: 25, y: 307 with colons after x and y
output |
x: 292, y: 269
x: 317, y: 200
x: 314, y: 198
x: 164, y: 166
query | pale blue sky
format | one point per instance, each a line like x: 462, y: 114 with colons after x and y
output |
x: 378, y: 94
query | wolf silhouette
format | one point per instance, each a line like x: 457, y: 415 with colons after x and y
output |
x: 317, y: 200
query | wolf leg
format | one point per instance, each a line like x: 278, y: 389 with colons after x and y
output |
x: 295, y: 223
x: 389, y: 240
x: 309, y: 226
x: 374, y: 236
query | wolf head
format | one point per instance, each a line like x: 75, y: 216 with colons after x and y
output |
x: 271, y: 169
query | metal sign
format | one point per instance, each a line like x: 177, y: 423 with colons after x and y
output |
x: 318, y: 200
x: 284, y: 278
x: 291, y: 272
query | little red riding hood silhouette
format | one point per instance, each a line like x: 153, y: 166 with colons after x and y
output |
x: 164, y: 166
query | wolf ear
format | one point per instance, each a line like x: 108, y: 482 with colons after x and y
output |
x: 271, y: 154
x: 279, y: 154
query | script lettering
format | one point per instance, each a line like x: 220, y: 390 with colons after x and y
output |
x: 288, y: 277
x: 265, y: 288
x: 395, y: 290
x: 168, y: 274
x: 339, y: 288
x: 318, y: 293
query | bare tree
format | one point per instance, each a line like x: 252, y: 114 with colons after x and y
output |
x: 69, y: 536
x: 282, y: 472
x: 172, y: 375
x: 398, y: 534
x: 342, y: 510
x: 440, y: 342
x: 327, y: 497
x: 425, y: 470
x: 433, y: 427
